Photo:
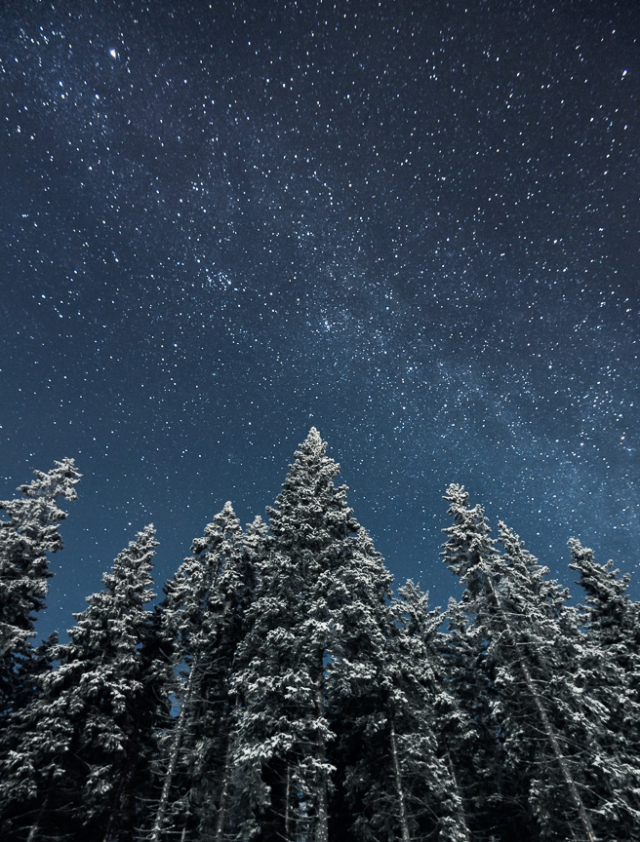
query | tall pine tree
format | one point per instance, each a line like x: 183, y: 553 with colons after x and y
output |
x: 83, y: 759
x: 27, y: 535
x: 420, y: 704
x: 294, y: 634
x: 536, y: 643
x: 470, y: 553
x: 609, y: 676
x: 382, y: 688
x: 535, y: 707
x: 204, y: 614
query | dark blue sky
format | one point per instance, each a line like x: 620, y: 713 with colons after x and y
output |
x: 413, y: 225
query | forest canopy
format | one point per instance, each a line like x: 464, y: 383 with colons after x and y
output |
x: 280, y: 690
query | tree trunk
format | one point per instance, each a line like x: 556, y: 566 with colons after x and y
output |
x: 224, y: 793
x: 35, y: 827
x: 116, y: 803
x: 399, y: 786
x: 287, y: 806
x: 34, y: 831
x: 551, y: 736
x: 321, y: 796
x: 459, y: 796
x: 546, y: 723
x: 156, y: 833
x: 183, y: 835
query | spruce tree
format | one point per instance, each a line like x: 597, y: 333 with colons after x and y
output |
x: 358, y: 690
x: 465, y: 724
x: 609, y: 677
x: 536, y: 643
x: 294, y: 633
x: 527, y: 640
x: 420, y: 705
x: 276, y: 688
x: 204, y: 614
x: 470, y: 553
x: 27, y: 535
x: 87, y: 739
x: 27, y: 765
x: 390, y: 779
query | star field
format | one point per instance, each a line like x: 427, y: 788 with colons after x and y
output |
x: 412, y: 225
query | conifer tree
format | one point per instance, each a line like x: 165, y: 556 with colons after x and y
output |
x: 83, y: 758
x: 390, y: 781
x: 470, y: 553
x: 421, y: 703
x: 526, y: 663
x: 536, y: 644
x: 609, y: 676
x: 358, y: 694
x: 26, y: 536
x: 274, y: 736
x: 284, y: 733
x: 204, y: 613
x: 465, y: 722
x: 26, y: 766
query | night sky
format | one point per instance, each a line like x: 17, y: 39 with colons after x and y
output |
x: 414, y: 225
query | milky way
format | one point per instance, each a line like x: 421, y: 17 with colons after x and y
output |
x: 414, y: 225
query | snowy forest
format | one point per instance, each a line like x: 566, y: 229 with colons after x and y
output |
x: 279, y: 691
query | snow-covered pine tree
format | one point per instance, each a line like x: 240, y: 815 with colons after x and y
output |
x: 527, y: 645
x: 84, y: 756
x: 358, y: 690
x: 293, y: 635
x: 204, y: 613
x: 28, y: 533
x: 276, y: 692
x: 246, y: 784
x: 390, y: 781
x: 609, y: 677
x: 536, y: 644
x: 22, y: 768
x: 465, y: 725
x: 470, y: 553
x: 420, y: 706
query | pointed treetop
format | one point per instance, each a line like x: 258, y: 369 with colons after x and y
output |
x: 224, y: 523
x: 580, y: 553
x: 456, y: 495
x: 518, y: 555
x: 131, y: 569
x: 311, y: 460
x: 312, y: 445
x: 603, y: 585
x: 470, y: 519
x: 58, y: 482
x: 469, y: 550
